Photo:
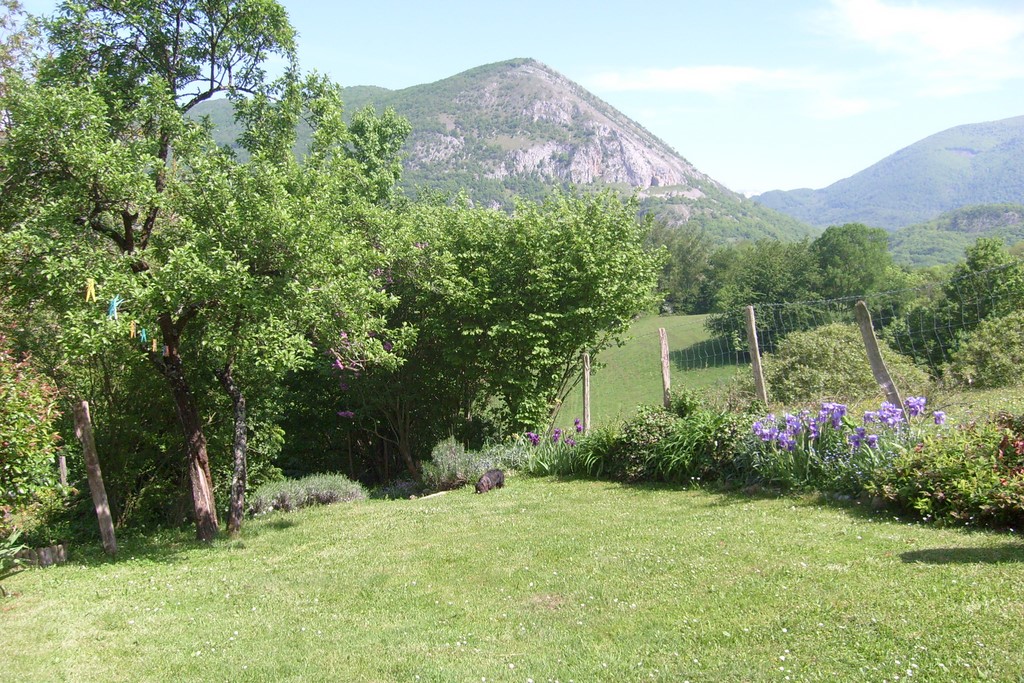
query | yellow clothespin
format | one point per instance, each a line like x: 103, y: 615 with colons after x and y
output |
x: 90, y: 289
x: 131, y: 330
x: 154, y: 344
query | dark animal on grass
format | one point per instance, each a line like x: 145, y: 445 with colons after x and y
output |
x: 492, y: 479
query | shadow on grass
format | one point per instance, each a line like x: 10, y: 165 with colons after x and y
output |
x: 169, y: 546
x: 710, y: 353
x: 999, y: 555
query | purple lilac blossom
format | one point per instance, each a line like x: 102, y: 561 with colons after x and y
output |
x: 940, y: 417
x: 556, y: 435
x: 579, y: 425
x: 533, y: 437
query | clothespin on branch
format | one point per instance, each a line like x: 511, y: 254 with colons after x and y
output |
x: 143, y: 337
x: 112, y: 309
x: 90, y: 289
x: 131, y: 330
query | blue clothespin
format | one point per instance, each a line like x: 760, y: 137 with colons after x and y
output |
x: 112, y: 309
x: 143, y: 337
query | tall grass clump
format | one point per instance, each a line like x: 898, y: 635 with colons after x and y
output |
x: 316, y: 489
x: 557, y: 453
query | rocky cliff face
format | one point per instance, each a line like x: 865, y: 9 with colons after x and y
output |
x: 541, y: 124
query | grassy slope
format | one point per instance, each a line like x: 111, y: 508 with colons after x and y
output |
x: 631, y: 374
x: 542, y: 580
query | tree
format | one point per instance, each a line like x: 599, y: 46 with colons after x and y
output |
x: 765, y: 272
x: 19, y: 41
x: 853, y: 260
x: 113, y: 191
x: 685, y: 270
x: 494, y: 312
x: 987, y: 284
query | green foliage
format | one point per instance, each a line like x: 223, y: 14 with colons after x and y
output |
x: 971, y: 475
x: 58, y: 515
x: 9, y: 548
x: 765, y: 272
x: 496, y: 310
x: 316, y: 489
x: 831, y: 362
x: 701, y: 447
x: 853, y: 260
x: 29, y: 442
x: 992, y: 355
x: 989, y: 282
x: 229, y: 267
x: 688, y: 251
x: 637, y: 444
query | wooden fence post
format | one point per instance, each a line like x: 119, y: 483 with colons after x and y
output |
x: 83, y: 430
x: 666, y: 376
x: 878, y: 369
x: 586, y: 392
x: 755, y: 357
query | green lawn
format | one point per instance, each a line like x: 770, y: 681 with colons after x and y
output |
x: 542, y: 580
x: 631, y: 374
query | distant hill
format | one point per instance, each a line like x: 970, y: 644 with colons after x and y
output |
x: 945, y: 239
x: 980, y: 163
x: 519, y: 128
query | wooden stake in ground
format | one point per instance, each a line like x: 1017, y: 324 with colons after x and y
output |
x: 586, y: 392
x: 666, y: 376
x: 755, y: 357
x: 878, y: 369
x: 83, y: 430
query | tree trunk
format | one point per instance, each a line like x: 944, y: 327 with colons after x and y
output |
x: 195, y: 440
x: 239, y: 449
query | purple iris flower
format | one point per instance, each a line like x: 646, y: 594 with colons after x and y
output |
x: 915, y: 405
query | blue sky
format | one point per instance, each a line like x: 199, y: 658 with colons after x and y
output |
x: 758, y: 95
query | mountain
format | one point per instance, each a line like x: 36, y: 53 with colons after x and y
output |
x: 946, y: 238
x: 980, y: 163
x: 518, y: 129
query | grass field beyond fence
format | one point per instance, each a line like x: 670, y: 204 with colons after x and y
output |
x: 631, y: 373
x: 542, y: 580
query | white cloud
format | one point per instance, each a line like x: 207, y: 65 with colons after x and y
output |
x: 946, y: 49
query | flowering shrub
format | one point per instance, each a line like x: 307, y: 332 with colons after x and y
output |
x: 829, y: 450
x: 968, y: 475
